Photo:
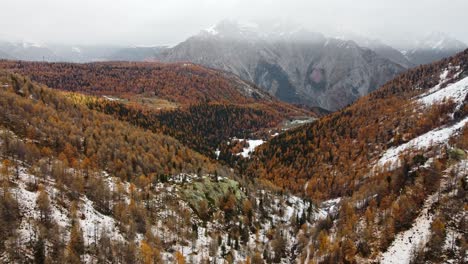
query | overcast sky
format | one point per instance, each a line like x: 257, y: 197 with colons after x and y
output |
x: 159, y: 22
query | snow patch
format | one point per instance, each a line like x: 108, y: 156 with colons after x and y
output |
x: 212, y: 30
x: 456, y: 91
x: 408, y: 242
x: 327, y: 208
x: 110, y: 98
x: 253, y: 144
x: 94, y: 222
x: 431, y: 138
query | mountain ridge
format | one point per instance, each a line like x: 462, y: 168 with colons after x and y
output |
x: 284, y: 66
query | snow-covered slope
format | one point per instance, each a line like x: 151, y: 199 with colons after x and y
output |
x: 407, y: 243
x: 456, y: 91
x: 432, y: 138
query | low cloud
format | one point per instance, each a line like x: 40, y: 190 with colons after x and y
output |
x: 159, y: 22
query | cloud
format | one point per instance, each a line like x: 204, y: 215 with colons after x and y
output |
x: 171, y: 21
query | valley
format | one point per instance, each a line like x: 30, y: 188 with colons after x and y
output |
x: 233, y: 132
x: 229, y: 200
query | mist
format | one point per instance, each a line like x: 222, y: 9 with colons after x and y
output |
x: 167, y: 22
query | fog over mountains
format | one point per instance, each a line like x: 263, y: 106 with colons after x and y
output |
x: 300, y: 66
x: 294, y: 64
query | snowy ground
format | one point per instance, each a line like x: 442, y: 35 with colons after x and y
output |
x: 456, y: 92
x: 94, y: 223
x: 253, y: 144
x: 327, y: 208
x: 435, y: 137
x: 408, y: 242
x: 110, y: 98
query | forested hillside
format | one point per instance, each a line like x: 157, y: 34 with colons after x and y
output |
x: 198, y: 106
x: 113, y: 179
x: 391, y: 158
x: 63, y: 128
x: 79, y: 186
x: 182, y: 83
x: 339, y: 149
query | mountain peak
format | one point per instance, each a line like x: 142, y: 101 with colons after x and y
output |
x: 266, y: 30
x: 233, y: 29
x: 440, y: 41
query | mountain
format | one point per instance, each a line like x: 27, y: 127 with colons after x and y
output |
x: 135, y: 53
x: 115, y: 192
x: 94, y: 175
x: 28, y: 51
x: 84, y: 53
x: 180, y: 83
x: 380, y: 48
x: 388, y: 158
x: 293, y: 64
x: 397, y: 104
x: 434, y: 47
x: 75, y: 53
x: 203, y: 108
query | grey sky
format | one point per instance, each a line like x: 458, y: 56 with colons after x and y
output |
x: 157, y: 22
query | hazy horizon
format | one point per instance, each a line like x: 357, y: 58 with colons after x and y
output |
x: 162, y: 22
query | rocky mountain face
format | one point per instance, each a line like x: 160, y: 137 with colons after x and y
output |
x: 382, y: 49
x: 295, y: 65
x: 434, y: 47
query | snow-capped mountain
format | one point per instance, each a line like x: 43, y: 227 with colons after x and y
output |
x: 290, y: 62
x: 382, y: 49
x: 266, y: 31
x: 433, y: 47
x: 440, y: 41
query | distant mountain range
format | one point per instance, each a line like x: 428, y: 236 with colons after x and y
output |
x: 297, y: 66
x: 433, y: 47
x: 290, y: 62
x: 75, y: 53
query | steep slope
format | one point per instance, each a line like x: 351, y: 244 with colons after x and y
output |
x: 295, y: 66
x: 81, y: 187
x: 387, y: 117
x: 41, y: 115
x: 388, y: 158
x: 382, y: 49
